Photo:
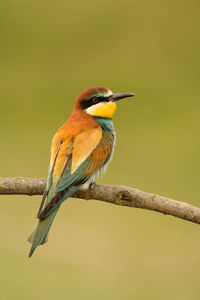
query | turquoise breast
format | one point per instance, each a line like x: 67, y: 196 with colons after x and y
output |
x: 106, y: 124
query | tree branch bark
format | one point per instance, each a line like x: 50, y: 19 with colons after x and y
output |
x: 119, y: 195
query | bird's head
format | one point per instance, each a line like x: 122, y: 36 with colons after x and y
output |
x: 99, y: 101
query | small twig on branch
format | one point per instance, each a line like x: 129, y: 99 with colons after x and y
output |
x: 120, y: 195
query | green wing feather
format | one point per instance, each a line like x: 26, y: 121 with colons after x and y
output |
x: 61, y: 187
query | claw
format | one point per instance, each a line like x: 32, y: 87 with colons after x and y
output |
x: 91, y: 185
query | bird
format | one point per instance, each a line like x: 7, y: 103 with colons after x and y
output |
x: 80, y: 152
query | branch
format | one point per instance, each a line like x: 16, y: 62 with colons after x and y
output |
x: 120, y: 195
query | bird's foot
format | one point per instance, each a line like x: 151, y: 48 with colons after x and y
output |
x: 92, y: 184
x: 87, y: 186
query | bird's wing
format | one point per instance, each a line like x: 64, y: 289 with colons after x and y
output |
x: 70, y: 167
x: 60, y: 154
x: 89, y: 165
x: 84, y: 144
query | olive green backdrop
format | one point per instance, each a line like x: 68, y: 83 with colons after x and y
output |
x: 49, y: 52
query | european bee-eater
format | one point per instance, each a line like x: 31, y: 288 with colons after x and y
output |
x: 81, y: 150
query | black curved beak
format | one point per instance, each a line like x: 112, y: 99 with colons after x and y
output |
x: 116, y: 97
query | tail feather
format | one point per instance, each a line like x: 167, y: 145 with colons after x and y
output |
x: 40, y: 235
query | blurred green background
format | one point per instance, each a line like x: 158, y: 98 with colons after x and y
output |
x: 49, y: 52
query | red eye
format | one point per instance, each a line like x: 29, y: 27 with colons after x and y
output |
x: 95, y: 100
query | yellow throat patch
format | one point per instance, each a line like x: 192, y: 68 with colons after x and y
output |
x: 102, y: 109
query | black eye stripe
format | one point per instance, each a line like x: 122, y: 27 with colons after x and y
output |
x: 84, y: 104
